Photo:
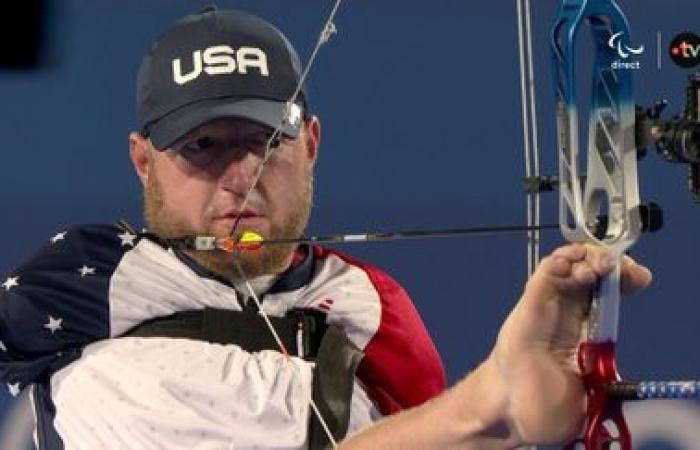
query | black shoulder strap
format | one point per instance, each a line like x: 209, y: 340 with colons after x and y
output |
x: 303, y: 328
x: 334, y: 377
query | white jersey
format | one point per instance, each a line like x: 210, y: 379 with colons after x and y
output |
x: 61, y: 324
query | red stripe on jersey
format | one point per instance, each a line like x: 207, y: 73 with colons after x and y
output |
x: 401, y: 367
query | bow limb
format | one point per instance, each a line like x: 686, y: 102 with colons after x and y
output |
x: 610, y: 189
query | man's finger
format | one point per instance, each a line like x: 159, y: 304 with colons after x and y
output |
x: 571, y: 252
x: 634, y: 277
x: 584, y: 274
x: 599, y: 259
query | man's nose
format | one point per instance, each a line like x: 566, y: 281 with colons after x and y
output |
x: 239, y: 171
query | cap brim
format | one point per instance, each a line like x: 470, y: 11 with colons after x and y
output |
x: 172, y: 127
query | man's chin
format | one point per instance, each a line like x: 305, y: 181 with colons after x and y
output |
x: 267, y: 260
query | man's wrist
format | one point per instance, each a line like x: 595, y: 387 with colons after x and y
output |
x: 484, y: 412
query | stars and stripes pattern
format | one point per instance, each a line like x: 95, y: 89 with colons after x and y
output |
x: 127, y: 239
x: 85, y: 271
x: 10, y: 283
x: 59, y: 237
x: 43, y: 304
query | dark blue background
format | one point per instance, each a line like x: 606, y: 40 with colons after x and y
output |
x: 421, y: 115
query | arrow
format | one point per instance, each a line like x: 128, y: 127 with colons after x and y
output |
x: 250, y: 240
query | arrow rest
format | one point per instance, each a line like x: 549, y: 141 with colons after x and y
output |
x: 651, y: 214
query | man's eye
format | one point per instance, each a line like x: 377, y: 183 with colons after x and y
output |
x: 199, y: 152
x: 202, y: 143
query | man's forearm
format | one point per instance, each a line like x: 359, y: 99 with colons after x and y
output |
x: 471, y: 415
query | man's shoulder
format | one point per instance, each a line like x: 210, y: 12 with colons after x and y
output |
x: 93, y: 235
x: 57, y: 301
x: 87, y: 245
x: 382, y: 281
x: 73, y: 262
x: 401, y: 367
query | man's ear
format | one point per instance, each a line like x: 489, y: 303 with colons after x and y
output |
x: 312, y: 137
x: 141, y: 154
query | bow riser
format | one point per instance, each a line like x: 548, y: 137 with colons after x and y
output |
x: 606, y: 423
x: 611, y: 172
x: 610, y: 189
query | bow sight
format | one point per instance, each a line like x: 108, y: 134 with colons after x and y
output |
x: 676, y: 139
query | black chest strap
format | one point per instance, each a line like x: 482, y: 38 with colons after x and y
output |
x: 301, y: 331
x: 304, y: 333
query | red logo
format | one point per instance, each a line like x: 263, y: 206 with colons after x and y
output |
x: 325, y: 304
x: 685, y: 50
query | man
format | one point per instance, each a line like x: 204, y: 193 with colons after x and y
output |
x: 163, y: 339
x: 134, y: 340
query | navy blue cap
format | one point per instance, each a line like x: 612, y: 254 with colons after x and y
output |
x: 215, y: 64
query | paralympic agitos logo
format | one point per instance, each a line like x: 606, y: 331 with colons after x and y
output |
x: 625, y: 52
x: 685, y: 50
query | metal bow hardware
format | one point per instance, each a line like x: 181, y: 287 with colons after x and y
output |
x: 610, y: 189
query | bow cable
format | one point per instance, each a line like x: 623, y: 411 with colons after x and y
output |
x: 329, y: 29
x: 530, y: 142
x: 530, y: 139
x: 283, y: 349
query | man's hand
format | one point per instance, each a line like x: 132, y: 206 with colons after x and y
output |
x: 535, y: 355
x: 528, y: 390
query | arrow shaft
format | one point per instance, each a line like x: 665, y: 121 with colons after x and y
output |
x: 404, y: 235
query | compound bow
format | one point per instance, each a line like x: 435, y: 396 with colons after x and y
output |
x: 602, y: 207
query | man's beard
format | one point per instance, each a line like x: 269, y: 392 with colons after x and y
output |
x: 267, y: 260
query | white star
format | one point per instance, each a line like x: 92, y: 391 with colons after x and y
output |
x: 3, y: 347
x: 59, y: 237
x: 54, y: 324
x: 13, y: 388
x: 127, y: 238
x: 85, y: 270
x: 10, y: 283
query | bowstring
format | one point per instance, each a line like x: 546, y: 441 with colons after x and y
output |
x: 283, y: 348
x: 329, y: 29
x: 530, y: 139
